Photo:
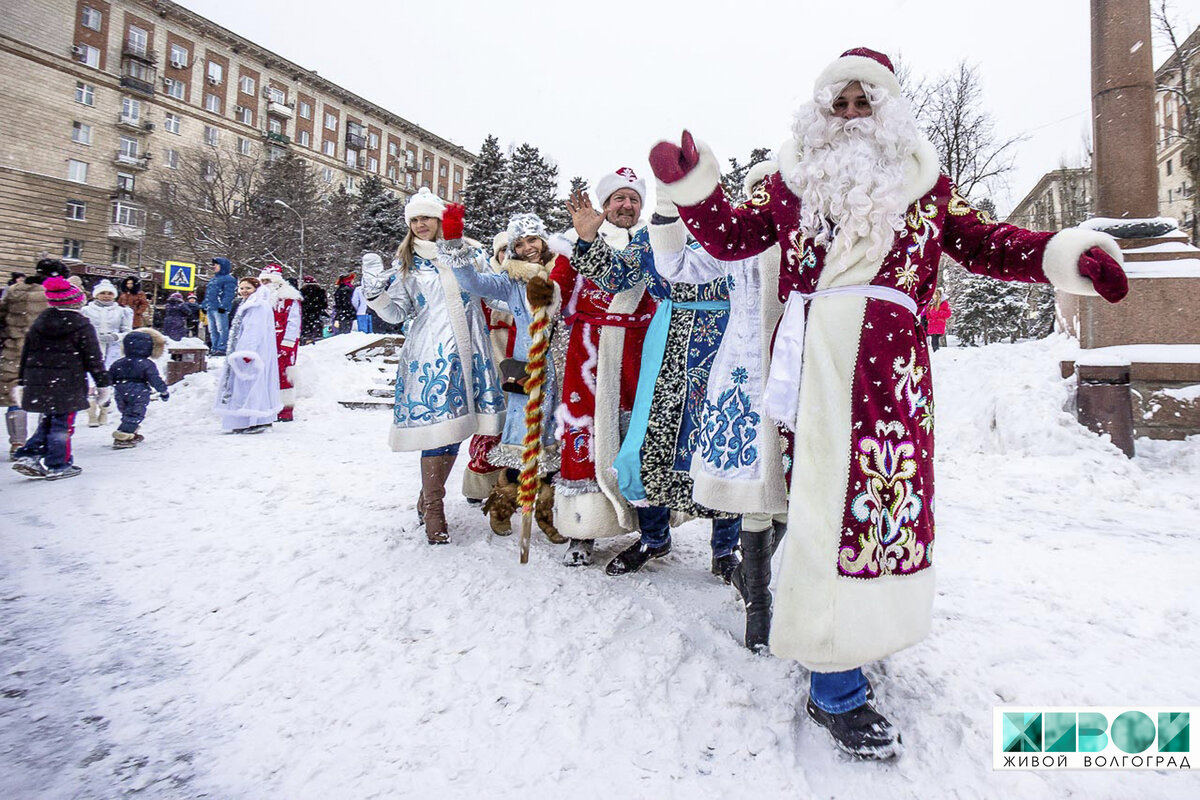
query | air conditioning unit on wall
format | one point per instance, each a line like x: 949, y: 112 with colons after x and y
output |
x: 77, y: 50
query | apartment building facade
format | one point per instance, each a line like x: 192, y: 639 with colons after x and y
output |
x: 102, y: 97
x: 1176, y: 187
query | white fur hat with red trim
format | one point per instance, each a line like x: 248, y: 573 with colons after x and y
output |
x: 271, y: 273
x: 624, y: 178
x: 860, y: 64
x: 423, y: 204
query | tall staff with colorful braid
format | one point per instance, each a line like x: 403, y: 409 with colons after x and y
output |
x: 535, y: 371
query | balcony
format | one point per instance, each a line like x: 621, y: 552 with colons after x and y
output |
x: 355, y: 141
x: 284, y: 110
x: 138, y: 85
x: 125, y: 233
x: 140, y: 52
x: 134, y: 124
x: 133, y: 162
x: 280, y: 138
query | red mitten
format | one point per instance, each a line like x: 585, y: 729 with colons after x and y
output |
x: 671, y: 162
x: 1105, y: 274
x: 452, y: 221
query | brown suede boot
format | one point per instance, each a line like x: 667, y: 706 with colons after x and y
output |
x: 543, y: 512
x: 500, y: 507
x: 434, y: 471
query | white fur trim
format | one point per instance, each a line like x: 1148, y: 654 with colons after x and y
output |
x: 624, y: 178
x: 697, y: 185
x: 446, y: 432
x: 858, y: 68
x: 588, y: 515
x: 757, y: 173
x: 287, y: 397
x: 423, y: 204
x: 478, y: 485
x: 245, y: 364
x: 1060, y: 261
x: 669, y: 238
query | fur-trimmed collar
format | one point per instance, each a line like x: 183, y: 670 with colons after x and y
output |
x: 524, y: 271
x: 920, y: 174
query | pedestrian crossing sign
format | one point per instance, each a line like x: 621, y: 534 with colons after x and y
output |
x: 179, y: 276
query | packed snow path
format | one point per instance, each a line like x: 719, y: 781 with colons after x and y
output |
x: 259, y: 617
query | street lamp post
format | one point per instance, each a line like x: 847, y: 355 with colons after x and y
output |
x: 300, y: 269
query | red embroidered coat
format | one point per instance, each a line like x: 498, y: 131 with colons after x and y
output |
x: 287, y: 329
x: 599, y: 382
x: 857, y: 579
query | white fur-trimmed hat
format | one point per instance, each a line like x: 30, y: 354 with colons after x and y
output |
x: 423, y: 204
x: 105, y: 285
x: 271, y: 273
x: 500, y: 242
x: 757, y: 173
x: 624, y: 178
x: 860, y: 64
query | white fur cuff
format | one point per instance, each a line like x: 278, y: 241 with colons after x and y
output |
x: 697, y: 185
x: 1060, y: 261
x: 245, y: 364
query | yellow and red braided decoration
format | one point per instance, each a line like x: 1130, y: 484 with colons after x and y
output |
x: 535, y: 380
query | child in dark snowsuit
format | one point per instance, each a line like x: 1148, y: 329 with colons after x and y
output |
x: 132, y: 378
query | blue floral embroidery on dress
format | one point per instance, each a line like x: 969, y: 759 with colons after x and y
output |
x: 739, y: 376
x: 442, y: 394
x: 489, y: 399
x: 728, y: 428
x: 421, y: 299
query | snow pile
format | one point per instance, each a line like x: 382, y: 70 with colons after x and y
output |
x: 245, y: 617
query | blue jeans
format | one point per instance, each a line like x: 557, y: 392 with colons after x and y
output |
x: 364, y: 323
x: 218, y: 330
x: 725, y: 535
x: 655, y: 524
x: 51, y: 440
x: 838, y: 692
x: 448, y: 450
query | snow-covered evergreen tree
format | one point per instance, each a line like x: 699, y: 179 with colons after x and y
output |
x: 378, y: 217
x: 484, y: 193
x: 531, y: 185
x: 733, y: 179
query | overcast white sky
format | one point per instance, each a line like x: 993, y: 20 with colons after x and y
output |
x: 595, y: 84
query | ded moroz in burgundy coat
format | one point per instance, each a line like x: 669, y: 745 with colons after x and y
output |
x: 857, y: 579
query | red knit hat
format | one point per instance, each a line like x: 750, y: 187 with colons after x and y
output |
x: 61, y: 293
x: 860, y: 64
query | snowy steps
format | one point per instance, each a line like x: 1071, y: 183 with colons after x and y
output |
x: 383, y: 353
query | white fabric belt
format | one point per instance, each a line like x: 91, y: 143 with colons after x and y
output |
x: 782, y: 396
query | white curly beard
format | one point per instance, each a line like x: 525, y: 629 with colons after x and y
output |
x: 850, y: 176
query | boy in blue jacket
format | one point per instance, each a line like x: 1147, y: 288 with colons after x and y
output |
x: 218, y: 299
x: 132, y: 378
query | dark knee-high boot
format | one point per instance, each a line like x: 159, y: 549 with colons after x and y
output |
x: 753, y: 579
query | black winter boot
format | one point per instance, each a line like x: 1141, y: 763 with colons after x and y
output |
x: 724, y: 566
x: 634, y: 557
x: 862, y: 732
x: 752, y: 578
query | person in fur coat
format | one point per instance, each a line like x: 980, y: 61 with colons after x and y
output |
x: 111, y: 321
x: 286, y: 305
x: 862, y: 214
x: 248, y: 390
x: 527, y: 256
x: 133, y: 298
x: 447, y: 387
x: 133, y: 377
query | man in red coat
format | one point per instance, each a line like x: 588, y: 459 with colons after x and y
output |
x: 287, y: 334
x: 862, y: 214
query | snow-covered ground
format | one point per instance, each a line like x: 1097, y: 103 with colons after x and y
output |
x: 259, y: 617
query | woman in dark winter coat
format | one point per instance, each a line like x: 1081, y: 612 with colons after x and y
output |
x: 61, y: 350
x: 314, y: 308
x: 343, y: 304
x: 132, y: 297
x: 176, y: 317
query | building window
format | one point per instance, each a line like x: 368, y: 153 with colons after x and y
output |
x: 208, y: 169
x: 428, y: 163
x: 121, y: 254
x: 305, y: 138
x: 1168, y: 166
x: 91, y: 18
x: 179, y: 56
x: 128, y: 148
x: 174, y: 88
x: 77, y: 171
x: 131, y: 110
x: 374, y: 141
x: 81, y: 133
x: 349, y: 183
x: 211, y: 136
x: 246, y: 84
x: 77, y: 210
x: 212, y: 103
x: 72, y: 248
x: 171, y: 159
x: 87, y: 55
x: 168, y: 227
x: 172, y: 123
x: 276, y: 95
x: 216, y: 73
x: 392, y: 172
x: 243, y: 146
x: 327, y: 174
x: 137, y: 40
x: 305, y: 110
x: 457, y: 175
x: 274, y: 125
x: 330, y: 122
x: 351, y: 157
x: 125, y: 182
x: 125, y: 214
x: 329, y: 149
x: 442, y: 172
x: 245, y: 115
x: 85, y: 93
x: 392, y: 149
x: 373, y: 164
x: 408, y: 180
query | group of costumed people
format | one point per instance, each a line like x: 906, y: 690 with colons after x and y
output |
x: 256, y: 386
x: 761, y: 365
